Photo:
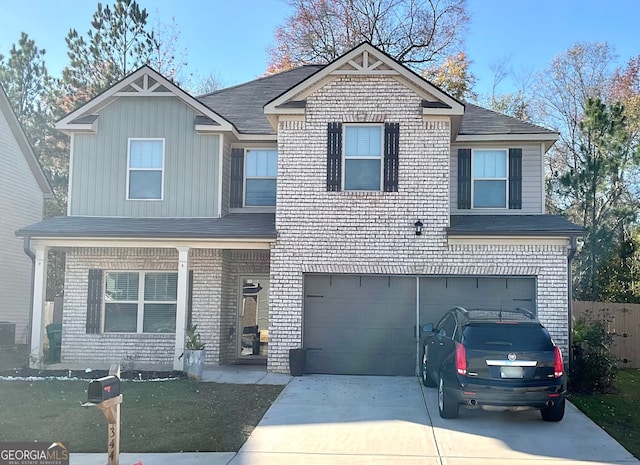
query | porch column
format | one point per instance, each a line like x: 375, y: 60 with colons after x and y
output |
x: 181, y: 307
x: 36, y: 357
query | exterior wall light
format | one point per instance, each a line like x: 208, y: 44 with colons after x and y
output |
x: 418, y: 224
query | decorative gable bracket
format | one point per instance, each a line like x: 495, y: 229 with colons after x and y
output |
x: 145, y: 86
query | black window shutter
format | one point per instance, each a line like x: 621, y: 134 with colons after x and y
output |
x: 237, y: 181
x: 515, y: 179
x: 334, y: 156
x: 94, y: 301
x: 391, y: 149
x: 464, y: 178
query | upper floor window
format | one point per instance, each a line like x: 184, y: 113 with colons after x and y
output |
x: 140, y: 302
x: 367, y: 161
x: 145, y: 170
x: 363, y: 157
x: 261, y: 168
x: 489, y: 178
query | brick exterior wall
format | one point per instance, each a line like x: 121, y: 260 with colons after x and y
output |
x: 150, y: 350
x: 373, y: 232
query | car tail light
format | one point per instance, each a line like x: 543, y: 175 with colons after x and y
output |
x: 558, y: 367
x: 461, y: 359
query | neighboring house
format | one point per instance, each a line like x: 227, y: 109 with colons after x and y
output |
x: 23, y: 188
x: 285, y: 213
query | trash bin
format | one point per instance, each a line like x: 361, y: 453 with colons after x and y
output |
x: 7, y: 334
x: 54, y: 334
x: 297, y: 361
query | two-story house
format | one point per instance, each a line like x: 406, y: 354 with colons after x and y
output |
x: 23, y: 189
x: 332, y: 207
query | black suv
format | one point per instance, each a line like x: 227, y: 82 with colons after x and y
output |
x: 493, y: 359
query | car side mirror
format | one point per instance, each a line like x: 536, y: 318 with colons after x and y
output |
x: 428, y: 328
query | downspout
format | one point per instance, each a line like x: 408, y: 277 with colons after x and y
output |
x: 26, y: 246
x: 572, y: 251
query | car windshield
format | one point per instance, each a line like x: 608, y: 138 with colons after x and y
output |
x: 506, y: 336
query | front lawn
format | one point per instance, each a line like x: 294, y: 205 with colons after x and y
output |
x: 618, y: 414
x: 156, y: 416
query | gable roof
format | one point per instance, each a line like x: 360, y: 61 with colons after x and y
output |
x: 367, y: 60
x: 250, y: 110
x: 25, y: 147
x: 145, y: 81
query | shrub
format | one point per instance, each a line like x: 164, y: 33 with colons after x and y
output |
x: 593, y: 369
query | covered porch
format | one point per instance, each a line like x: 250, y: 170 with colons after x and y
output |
x: 133, y: 286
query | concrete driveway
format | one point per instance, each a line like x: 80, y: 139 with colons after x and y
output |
x: 380, y: 420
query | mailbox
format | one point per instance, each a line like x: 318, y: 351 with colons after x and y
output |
x: 103, y: 388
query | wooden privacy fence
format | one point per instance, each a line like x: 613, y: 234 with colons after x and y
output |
x: 623, y: 322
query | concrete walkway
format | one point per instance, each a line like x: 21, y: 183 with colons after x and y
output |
x: 320, y: 420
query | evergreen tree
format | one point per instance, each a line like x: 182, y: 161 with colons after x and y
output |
x: 118, y: 43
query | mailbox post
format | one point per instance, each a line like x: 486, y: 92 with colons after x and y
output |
x: 104, y: 393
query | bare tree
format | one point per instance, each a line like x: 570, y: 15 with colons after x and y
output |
x: 417, y: 33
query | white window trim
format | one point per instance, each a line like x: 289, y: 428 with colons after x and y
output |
x: 140, y: 302
x: 268, y: 208
x: 506, y: 178
x: 345, y: 158
x: 129, y: 169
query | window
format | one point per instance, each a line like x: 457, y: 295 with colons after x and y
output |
x: 140, y: 302
x: 145, y: 169
x: 489, y: 178
x: 261, y: 168
x: 363, y: 157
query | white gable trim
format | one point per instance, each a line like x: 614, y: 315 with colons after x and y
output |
x: 147, y: 89
x: 365, y: 60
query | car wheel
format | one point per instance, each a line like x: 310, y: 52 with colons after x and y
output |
x: 553, y: 413
x: 446, y: 406
x: 426, y: 379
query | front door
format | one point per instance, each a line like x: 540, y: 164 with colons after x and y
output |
x: 253, y: 317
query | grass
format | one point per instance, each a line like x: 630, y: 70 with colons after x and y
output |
x: 164, y: 416
x: 13, y: 357
x: 618, y: 414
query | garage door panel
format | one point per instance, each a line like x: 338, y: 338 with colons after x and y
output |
x: 365, y: 324
x: 332, y: 362
x: 356, y: 324
x: 437, y: 295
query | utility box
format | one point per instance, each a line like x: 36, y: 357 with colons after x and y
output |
x: 7, y: 334
x: 103, y: 389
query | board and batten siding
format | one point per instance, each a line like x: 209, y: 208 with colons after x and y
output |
x: 21, y: 203
x: 532, y: 182
x: 191, y: 166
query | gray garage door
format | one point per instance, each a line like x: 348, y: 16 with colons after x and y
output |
x: 360, y: 325
x: 437, y: 295
x: 365, y: 324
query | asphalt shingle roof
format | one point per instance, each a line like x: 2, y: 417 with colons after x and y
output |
x: 243, y: 105
x: 232, y: 226
x: 513, y: 225
x: 480, y: 121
